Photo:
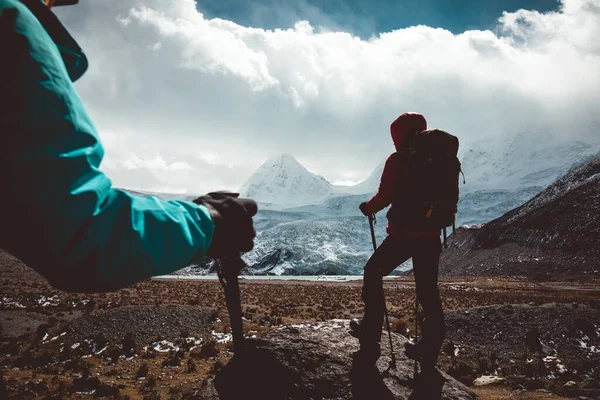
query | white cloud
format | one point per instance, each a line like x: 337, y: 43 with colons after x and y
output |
x: 155, y: 47
x: 155, y: 163
x: 195, y: 94
x: 209, y: 158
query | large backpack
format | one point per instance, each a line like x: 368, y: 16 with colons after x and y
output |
x: 426, y: 197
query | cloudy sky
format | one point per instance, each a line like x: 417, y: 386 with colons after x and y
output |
x: 194, y: 96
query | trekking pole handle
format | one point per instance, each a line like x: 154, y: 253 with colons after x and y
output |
x: 232, y: 265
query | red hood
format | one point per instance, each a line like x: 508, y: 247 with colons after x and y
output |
x: 406, y: 124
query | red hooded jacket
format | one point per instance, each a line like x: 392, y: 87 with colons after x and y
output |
x: 401, y: 129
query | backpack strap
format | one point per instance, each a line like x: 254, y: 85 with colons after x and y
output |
x: 405, y: 161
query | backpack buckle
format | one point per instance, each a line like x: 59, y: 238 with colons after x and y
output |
x: 429, y: 212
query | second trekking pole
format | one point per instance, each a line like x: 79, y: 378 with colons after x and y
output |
x: 387, y: 321
x: 416, y: 368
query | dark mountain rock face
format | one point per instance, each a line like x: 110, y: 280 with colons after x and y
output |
x: 565, y: 216
x: 314, y: 361
x: 555, y: 235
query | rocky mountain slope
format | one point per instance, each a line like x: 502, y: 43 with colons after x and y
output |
x: 554, y: 235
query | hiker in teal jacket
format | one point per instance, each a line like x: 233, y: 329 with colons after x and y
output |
x: 58, y: 212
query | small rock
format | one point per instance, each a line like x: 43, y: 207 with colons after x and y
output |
x: 172, y: 362
x: 128, y: 344
x: 449, y: 348
x: 533, y: 385
x: 205, y: 351
x: 590, y: 384
x: 142, y: 371
x: 532, y: 340
x: 518, y: 387
x: 582, y: 326
x: 570, y: 384
x: 487, y: 380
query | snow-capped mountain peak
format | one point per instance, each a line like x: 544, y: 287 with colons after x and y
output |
x: 282, y: 180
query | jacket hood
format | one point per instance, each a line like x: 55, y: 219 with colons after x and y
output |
x: 406, y: 125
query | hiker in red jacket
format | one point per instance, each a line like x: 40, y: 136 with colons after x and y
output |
x: 423, y: 245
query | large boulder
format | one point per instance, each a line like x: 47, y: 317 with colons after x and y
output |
x: 315, y: 361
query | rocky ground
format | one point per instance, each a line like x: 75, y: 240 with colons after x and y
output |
x: 313, y: 360
x: 169, y: 339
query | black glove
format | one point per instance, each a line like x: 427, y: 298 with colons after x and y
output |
x: 363, y: 208
x: 232, y: 216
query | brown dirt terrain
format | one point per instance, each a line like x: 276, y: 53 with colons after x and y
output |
x: 165, y: 338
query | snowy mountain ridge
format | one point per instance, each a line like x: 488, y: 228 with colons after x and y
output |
x: 282, y: 182
x: 533, y: 159
x: 368, y: 186
x: 518, y: 164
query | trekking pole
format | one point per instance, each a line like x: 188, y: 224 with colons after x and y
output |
x: 228, y: 269
x: 416, y: 366
x: 387, y: 321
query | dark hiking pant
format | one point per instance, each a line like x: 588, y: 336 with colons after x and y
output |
x: 425, y: 253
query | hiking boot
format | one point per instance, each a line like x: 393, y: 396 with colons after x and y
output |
x: 421, y: 353
x: 428, y: 385
x: 357, y: 330
x: 414, y: 351
x: 368, y: 354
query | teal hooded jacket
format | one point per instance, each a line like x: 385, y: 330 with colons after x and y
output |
x: 58, y: 211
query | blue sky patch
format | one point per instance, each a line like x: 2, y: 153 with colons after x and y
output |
x: 366, y: 17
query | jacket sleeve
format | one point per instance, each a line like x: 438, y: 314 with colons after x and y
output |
x: 58, y: 211
x: 389, y: 180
